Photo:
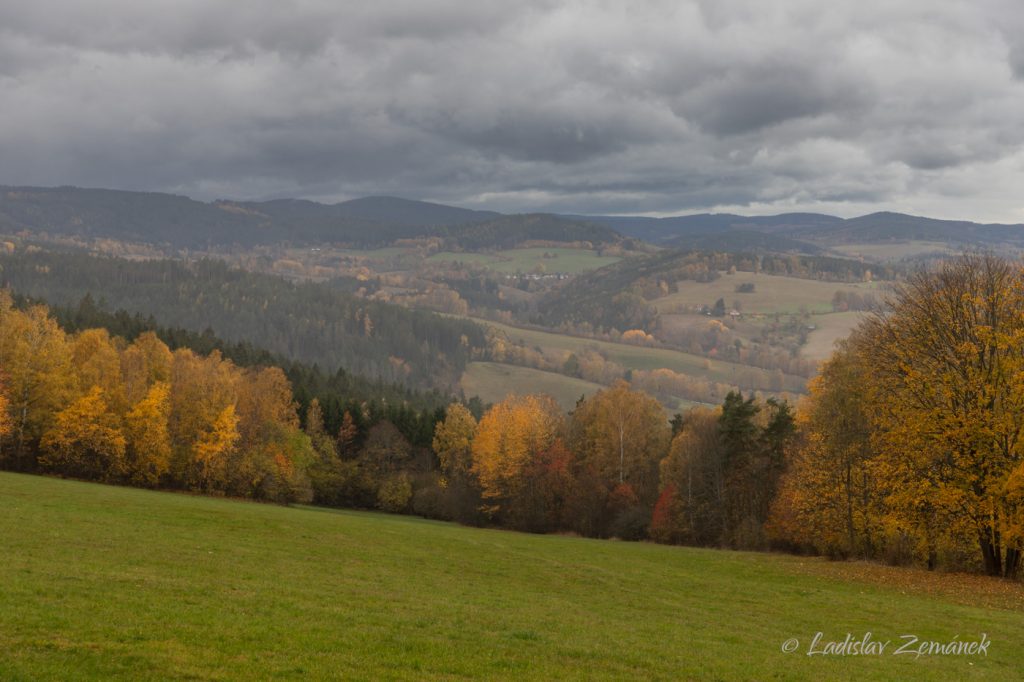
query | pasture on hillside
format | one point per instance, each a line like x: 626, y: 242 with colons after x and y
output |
x: 646, y: 358
x: 102, y: 582
x: 829, y: 329
x: 772, y: 294
x: 492, y: 382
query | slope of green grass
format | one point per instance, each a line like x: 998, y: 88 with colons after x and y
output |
x: 101, y: 582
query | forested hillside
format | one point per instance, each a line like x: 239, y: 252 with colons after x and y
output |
x: 814, y: 228
x: 310, y: 322
x: 338, y: 392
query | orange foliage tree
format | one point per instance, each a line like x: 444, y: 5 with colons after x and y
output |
x: 830, y: 495
x: 509, y: 437
x: 85, y: 440
x: 622, y: 434
x: 946, y: 392
x: 5, y: 417
x: 148, y: 439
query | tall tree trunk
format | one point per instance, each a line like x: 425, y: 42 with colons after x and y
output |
x: 849, y: 505
x: 1012, y: 564
x: 990, y: 554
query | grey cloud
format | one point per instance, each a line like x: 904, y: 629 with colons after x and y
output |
x: 658, y: 106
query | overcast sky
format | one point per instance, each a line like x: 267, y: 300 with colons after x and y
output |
x: 599, y: 107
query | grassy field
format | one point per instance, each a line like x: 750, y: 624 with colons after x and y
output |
x: 492, y: 381
x: 892, y: 251
x: 101, y: 582
x: 571, y: 261
x: 829, y: 329
x: 772, y: 294
x: 641, y: 357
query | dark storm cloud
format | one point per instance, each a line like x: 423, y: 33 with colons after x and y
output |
x: 659, y: 106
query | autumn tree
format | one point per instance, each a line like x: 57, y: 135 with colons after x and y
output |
x: 691, y: 506
x: 453, y: 440
x: 207, y: 468
x: 34, y: 355
x: 829, y: 495
x: 144, y: 362
x: 274, y: 469
x: 665, y: 519
x: 457, y: 488
x: 546, y: 483
x: 85, y: 440
x: 202, y: 388
x: 96, y: 360
x: 5, y: 418
x: 622, y: 434
x: 264, y: 404
x: 947, y: 397
x: 508, y: 438
x: 148, y: 439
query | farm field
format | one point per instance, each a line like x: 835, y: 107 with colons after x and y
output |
x: 829, y: 329
x: 552, y: 259
x: 492, y: 381
x: 772, y: 294
x: 102, y: 582
x: 640, y: 357
x: 892, y: 251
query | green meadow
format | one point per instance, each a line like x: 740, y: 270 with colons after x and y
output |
x: 101, y: 582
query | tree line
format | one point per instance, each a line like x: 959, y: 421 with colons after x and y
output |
x: 908, y: 449
x: 93, y: 406
x: 96, y: 406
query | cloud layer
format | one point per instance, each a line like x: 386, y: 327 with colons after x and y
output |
x: 650, y: 107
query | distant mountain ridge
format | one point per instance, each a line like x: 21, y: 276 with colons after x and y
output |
x: 815, y: 228
x: 380, y: 220
x: 182, y: 222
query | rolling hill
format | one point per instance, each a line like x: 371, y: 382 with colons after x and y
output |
x: 181, y: 222
x: 813, y: 228
x: 101, y: 582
